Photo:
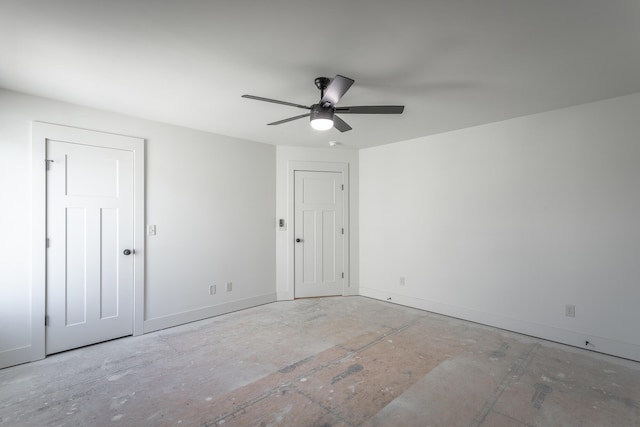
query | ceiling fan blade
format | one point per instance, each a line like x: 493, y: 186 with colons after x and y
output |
x: 336, y: 89
x: 371, y: 109
x: 275, y: 101
x: 340, y: 124
x: 279, y: 122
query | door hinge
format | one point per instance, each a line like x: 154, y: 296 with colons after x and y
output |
x: 343, y: 231
x: 46, y: 320
x: 343, y: 275
x: 342, y: 187
x: 48, y: 242
x: 47, y: 164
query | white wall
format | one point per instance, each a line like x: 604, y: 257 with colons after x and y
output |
x: 506, y: 223
x: 284, y: 255
x: 212, y: 198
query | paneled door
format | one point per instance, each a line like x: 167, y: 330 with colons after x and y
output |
x: 90, y: 273
x: 319, y: 234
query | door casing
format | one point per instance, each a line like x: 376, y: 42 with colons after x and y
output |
x: 41, y: 132
x: 294, y: 166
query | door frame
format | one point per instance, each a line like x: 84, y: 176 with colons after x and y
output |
x: 342, y: 168
x: 41, y: 132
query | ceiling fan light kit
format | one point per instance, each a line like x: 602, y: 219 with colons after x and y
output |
x: 322, y: 115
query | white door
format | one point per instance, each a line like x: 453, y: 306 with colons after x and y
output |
x: 319, y: 234
x: 89, y: 225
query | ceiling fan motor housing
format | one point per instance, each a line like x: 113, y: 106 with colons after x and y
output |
x: 320, y: 112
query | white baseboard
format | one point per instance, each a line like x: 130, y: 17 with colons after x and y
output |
x: 551, y: 333
x: 16, y: 356
x: 176, y: 319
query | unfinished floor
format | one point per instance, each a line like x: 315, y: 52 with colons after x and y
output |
x: 324, y: 362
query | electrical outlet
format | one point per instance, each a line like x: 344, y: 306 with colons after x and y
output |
x: 212, y: 289
x: 229, y: 286
x: 401, y: 281
x: 570, y: 310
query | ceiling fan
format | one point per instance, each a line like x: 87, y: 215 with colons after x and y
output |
x: 323, y: 114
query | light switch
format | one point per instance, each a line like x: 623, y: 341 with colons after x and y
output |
x: 152, y: 230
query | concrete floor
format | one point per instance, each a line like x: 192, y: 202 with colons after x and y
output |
x: 324, y: 362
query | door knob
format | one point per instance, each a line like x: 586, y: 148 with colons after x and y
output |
x: 127, y: 252
x: 298, y: 240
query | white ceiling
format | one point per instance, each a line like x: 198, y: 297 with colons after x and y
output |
x: 452, y: 63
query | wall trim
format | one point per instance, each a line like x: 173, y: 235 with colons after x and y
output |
x: 550, y: 333
x: 181, y: 318
x: 16, y: 356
